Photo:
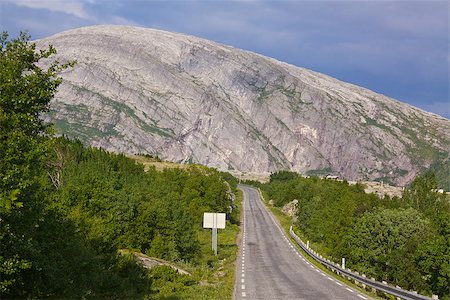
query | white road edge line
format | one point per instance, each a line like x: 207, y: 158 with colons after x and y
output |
x: 282, y: 233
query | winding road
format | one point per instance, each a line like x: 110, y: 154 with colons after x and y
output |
x: 270, y: 267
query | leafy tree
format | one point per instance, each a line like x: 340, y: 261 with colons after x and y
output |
x: 402, y: 240
x: 25, y: 92
x: 66, y: 210
x: 433, y: 259
x: 42, y: 253
x: 283, y: 176
x: 423, y: 196
x: 383, y: 244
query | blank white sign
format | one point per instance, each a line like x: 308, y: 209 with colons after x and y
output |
x: 214, y: 220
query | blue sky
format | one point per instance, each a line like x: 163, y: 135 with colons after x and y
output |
x: 397, y: 48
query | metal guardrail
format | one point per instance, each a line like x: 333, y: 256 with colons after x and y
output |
x: 395, y: 291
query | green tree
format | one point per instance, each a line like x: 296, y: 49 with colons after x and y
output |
x: 25, y: 92
x: 383, y: 244
x: 423, y: 196
x: 433, y: 259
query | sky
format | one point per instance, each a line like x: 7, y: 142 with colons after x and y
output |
x: 397, y: 48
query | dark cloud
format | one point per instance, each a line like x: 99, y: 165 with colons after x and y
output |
x: 398, y: 48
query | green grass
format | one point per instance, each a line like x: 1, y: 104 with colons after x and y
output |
x: 285, y: 223
x: 212, y: 276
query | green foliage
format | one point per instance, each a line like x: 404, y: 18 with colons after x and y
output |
x: 9, y: 269
x: 441, y: 169
x: 263, y: 94
x: 423, y: 195
x: 151, y: 157
x: 433, y: 259
x: 25, y: 91
x: 66, y: 210
x: 116, y: 203
x: 167, y: 282
x: 283, y: 176
x: 320, y: 172
x: 383, y: 245
x: 404, y: 241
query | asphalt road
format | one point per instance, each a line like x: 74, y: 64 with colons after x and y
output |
x: 270, y: 267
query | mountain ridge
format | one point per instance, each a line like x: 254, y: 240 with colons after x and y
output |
x: 184, y: 98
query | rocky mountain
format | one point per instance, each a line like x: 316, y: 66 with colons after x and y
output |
x: 187, y: 99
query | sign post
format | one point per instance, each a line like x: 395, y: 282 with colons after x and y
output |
x: 214, y: 221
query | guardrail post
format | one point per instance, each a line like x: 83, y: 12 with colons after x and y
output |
x: 307, y: 244
x: 435, y: 297
x: 373, y: 289
x: 343, y: 263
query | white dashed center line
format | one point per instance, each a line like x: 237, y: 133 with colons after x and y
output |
x: 243, y: 256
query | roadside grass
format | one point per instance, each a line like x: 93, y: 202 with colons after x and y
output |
x: 285, y: 223
x: 212, y: 276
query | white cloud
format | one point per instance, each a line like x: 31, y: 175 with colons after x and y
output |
x: 75, y: 8
x: 83, y: 12
x: 123, y: 21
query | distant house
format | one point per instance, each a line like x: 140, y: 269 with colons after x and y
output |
x: 334, y: 177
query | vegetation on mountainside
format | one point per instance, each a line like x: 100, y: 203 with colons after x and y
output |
x: 442, y: 170
x: 67, y: 210
x: 404, y: 241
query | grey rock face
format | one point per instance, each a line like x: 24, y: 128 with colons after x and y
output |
x: 183, y: 98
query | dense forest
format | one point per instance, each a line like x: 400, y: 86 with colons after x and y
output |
x: 404, y: 241
x: 67, y: 210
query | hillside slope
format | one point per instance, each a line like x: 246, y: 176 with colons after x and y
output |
x: 183, y: 98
